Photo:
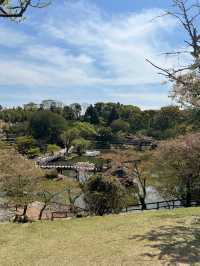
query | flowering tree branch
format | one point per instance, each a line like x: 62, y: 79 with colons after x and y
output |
x: 185, y: 79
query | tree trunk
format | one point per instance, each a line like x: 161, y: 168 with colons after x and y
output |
x: 23, y: 218
x: 142, y: 201
x: 188, y: 195
x: 41, y: 212
x: 25, y: 210
x: 143, y: 197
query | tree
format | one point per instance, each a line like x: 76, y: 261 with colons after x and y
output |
x: 166, y: 117
x: 68, y: 113
x: 114, y: 115
x: 33, y: 152
x: 68, y: 136
x: 25, y: 143
x: 86, y: 130
x: 47, y: 126
x: 141, y: 183
x: 17, y: 9
x: 104, y: 195
x: 141, y: 173
x: 120, y: 125
x: 178, y: 167
x: 76, y: 107
x: 128, y: 112
x: 18, y: 178
x: 80, y: 145
x: 137, y: 168
x: 52, y: 148
x: 46, y: 197
x: 91, y: 115
x: 186, y: 79
x: 104, y: 137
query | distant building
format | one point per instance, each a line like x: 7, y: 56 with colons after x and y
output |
x: 31, y: 106
x: 48, y: 104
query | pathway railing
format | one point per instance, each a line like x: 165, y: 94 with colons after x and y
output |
x: 167, y: 204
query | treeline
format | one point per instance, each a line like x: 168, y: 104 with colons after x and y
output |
x: 108, y: 118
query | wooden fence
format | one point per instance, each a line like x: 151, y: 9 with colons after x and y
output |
x: 59, y: 215
x: 167, y: 204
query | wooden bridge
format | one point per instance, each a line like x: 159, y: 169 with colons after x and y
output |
x: 71, y: 167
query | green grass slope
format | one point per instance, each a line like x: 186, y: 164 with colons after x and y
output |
x: 149, y: 238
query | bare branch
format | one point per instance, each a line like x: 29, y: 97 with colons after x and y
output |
x: 186, y: 79
x: 167, y: 73
x: 18, y: 9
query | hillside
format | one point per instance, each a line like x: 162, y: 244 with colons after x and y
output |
x: 150, y: 238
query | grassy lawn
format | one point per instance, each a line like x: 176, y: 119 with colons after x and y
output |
x: 150, y: 238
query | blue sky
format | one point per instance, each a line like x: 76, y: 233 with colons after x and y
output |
x: 88, y: 51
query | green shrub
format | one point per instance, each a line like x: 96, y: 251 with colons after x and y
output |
x: 104, y: 195
x: 51, y: 174
x: 80, y: 145
x: 33, y: 152
x: 52, y: 148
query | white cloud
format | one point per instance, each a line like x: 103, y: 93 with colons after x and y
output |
x: 11, y: 38
x: 120, y: 44
x: 84, y: 47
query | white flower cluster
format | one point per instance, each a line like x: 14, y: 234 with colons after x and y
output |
x: 186, y: 89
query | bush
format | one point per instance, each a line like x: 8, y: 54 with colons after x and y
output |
x: 51, y: 174
x: 120, y: 125
x: 52, y: 148
x: 33, y: 152
x: 104, y: 195
x: 25, y: 143
x: 81, y: 145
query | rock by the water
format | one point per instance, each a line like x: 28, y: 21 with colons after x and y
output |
x: 33, y: 210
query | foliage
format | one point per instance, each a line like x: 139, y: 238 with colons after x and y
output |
x: 186, y: 90
x: 104, y: 137
x: 85, y: 130
x: 178, y: 167
x: 120, y: 125
x: 76, y: 108
x: 185, y: 78
x: 46, y: 125
x: 136, y: 172
x: 52, y: 148
x: 167, y: 118
x: 48, y: 188
x: 33, y: 152
x: 68, y: 136
x: 13, y: 164
x: 91, y: 115
x: 80, y: 145
x: 18, y: 176
x: 62, y: 125
x: 25, y: 143
x: 104, y: 194
x: 51, y: 174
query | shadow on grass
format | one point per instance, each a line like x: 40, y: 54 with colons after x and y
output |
x: 175, y: 244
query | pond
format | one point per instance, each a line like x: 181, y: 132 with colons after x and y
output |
x: 77, y: 159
